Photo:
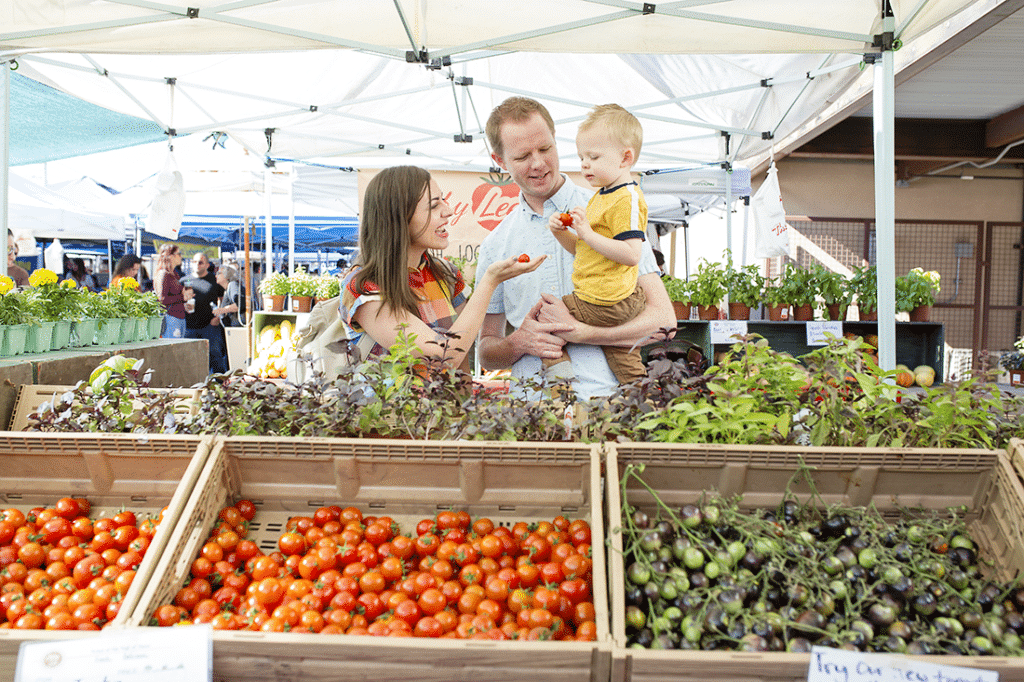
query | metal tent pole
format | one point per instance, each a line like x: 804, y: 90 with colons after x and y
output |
x: 5, y: 149
x: 291, y: 218
x: 885, y: 192
x: 268, y: 228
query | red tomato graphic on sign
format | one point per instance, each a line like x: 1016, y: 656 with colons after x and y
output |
x: 491, y: 203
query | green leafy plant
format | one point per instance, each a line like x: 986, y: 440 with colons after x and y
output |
x: 831, y: 286
x: 678, y: 289
x: 745, y: 284
x: 1014, y: 359
x: 14, y: 308
x: 797, y: 285
x: 327, y: 286
x: 774, y: 294
x: 301, y: 283
x: 916, y: 288
x: 275, y: 284
x: 708, y: 285
x: 864, y: 285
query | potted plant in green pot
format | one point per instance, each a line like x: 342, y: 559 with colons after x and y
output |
x: 42, y: 310
x: 834, y: 291
x: 56, y: 303
x: 864, y: 285
x: 274, y: 288
x: 915, y: 293
x: 14, y: 318
x: 707, y: 289
x: 679, y: 293
x: 745, y: 286
x: 302, y: 287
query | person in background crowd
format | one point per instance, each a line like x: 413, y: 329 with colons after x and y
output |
x: 80, y: 275
x: 202, y: 290
x: 230, y: 311
x: 127, y: 266
x: 398, y: 283
x: 521, y: 133
x: 145, y: 281
x: 170, y: 292
x: 15, y: 272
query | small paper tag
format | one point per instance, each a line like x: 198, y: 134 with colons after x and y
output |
x: 816, y: 332
x: 723, y: 331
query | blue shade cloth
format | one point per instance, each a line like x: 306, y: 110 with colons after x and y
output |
x: 47, y: 125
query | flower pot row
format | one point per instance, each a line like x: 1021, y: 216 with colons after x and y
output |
x: 42, y: 337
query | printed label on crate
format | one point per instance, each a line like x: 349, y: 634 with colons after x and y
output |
x: 835, y: 665
x: 816, y: 332
x: 178, y: 654
x: 722, y: 331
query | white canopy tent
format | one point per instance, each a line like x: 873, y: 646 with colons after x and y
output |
x: 45, y: 214
x: 384, y: 79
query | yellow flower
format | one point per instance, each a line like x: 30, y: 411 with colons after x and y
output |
x: 42, y: 277
x: 68, y: 284
x: 127, y: 283
x: 6, y: 284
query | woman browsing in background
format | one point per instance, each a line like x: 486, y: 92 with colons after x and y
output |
x: 127, y: 266
x: 396, y: 283
x: 80, y: 275
x: 169, y: 290
x: 230, y: 310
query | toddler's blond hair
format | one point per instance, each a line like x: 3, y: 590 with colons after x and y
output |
x: 621, y: 125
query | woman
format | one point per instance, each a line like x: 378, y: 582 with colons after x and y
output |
x: 80, y: 276
x: 168, y: 289
x: 127, y: 266
x: 230, y: 310
x: 397, y: 283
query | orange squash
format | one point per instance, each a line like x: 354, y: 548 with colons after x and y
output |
x: 905, y: 379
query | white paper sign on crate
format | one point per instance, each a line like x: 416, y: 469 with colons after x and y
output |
x: 836, y: 665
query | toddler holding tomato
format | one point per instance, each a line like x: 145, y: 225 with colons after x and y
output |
x: 608, y: 236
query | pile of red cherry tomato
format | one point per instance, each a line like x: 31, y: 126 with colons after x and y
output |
x: 339, y: 572
x: 61, y: 570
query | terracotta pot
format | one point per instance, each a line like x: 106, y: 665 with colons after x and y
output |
x: 682, y: 310
x: 707, y: 312
x: 775, y: 312
x: 302, y: 304
x: 803, y: 313
x: 739, y: 311
x: 836, y: 311
x: 921, y: 313
x: 274, y: 304
x: 868, y: 315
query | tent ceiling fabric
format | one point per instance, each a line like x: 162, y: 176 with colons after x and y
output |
x: 456, y: 27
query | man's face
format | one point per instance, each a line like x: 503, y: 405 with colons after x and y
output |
x: 201, y: 264
x: 531, y: 158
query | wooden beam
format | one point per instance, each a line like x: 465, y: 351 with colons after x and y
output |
x: 1005, y: 128
x: 916, y: 140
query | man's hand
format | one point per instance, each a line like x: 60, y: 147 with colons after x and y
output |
x: 541, y: 338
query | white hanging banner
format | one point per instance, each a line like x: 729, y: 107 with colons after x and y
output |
x: 771, y: 233
x: 168, y: 207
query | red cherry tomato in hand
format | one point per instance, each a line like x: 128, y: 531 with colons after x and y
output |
x: 523, y: 258
x: 566, y: 219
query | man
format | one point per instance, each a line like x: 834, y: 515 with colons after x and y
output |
x: 522, y: 138
x: 200, y: 322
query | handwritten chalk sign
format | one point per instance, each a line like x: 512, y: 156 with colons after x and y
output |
x: 722, y: 331
x: 178, y: 654
x: 816, y: 332
x: 836, y: 665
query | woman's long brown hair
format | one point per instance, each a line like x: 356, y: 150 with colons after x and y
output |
x: 389, y: 205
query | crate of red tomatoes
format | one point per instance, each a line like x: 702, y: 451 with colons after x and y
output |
x: 83, y: 521
x: 424, y: 560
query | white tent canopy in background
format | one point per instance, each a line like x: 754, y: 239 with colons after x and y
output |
x: 361, y: 98
x: 45, y: 214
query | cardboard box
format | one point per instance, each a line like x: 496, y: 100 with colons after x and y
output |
x: 143, y: 474
x: 890, y: 478
x: 407, y: 480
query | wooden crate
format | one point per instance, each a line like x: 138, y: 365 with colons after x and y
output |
x: 407, y: 480
x: 32, y: 396
x: 143, y: 474
x: 981, y: 480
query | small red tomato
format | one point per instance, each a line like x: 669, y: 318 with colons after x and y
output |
x: 523, y: 258
x: 566, y: 219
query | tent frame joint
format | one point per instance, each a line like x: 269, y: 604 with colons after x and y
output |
x: 192, y: 12
x: 884, y: 41
x: 649, y: 8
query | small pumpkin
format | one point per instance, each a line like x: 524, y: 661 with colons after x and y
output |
x: 905, y: 379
